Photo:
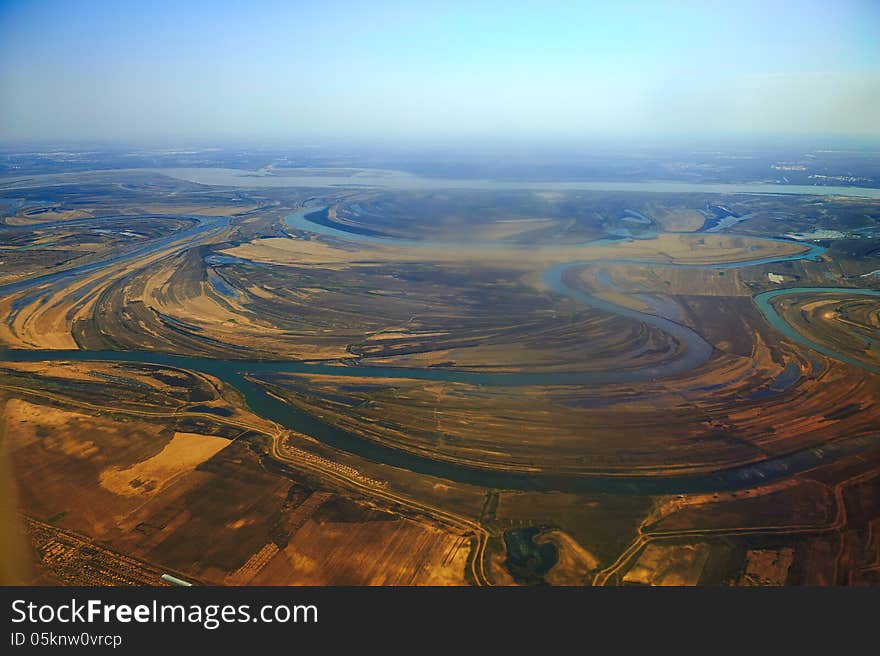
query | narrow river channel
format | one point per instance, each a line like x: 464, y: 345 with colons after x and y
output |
x: 694, y: 351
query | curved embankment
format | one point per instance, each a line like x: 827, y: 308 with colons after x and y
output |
x: 261, y: 402
x: 696, y: 351
x: 187, y: 237
x: 763, y: 301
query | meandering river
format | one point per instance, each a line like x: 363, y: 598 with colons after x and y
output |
x: 694, y: 351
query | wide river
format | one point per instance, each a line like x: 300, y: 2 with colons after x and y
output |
x: 694, y: 352
x: 400, y: 180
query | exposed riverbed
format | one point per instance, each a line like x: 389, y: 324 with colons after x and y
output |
x: 694, y: 352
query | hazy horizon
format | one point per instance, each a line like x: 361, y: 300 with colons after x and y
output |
x: 491, y: 72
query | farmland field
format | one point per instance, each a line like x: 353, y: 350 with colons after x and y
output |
x: 246, y: 383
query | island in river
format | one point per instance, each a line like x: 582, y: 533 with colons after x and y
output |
x: 276, y: 379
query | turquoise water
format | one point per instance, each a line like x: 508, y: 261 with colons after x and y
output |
x: 776, y: 320
x: 694, y: 352
x: 300, y: 221
x: 187, y: 237
x: 233, y: 373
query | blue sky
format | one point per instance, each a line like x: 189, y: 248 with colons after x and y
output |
x: 387, y: 70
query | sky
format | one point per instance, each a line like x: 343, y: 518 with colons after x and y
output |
x: 261, y: 69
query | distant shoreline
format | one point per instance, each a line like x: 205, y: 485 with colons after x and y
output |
x: 326, y: 178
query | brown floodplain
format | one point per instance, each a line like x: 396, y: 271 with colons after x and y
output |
x: 125, y: 471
